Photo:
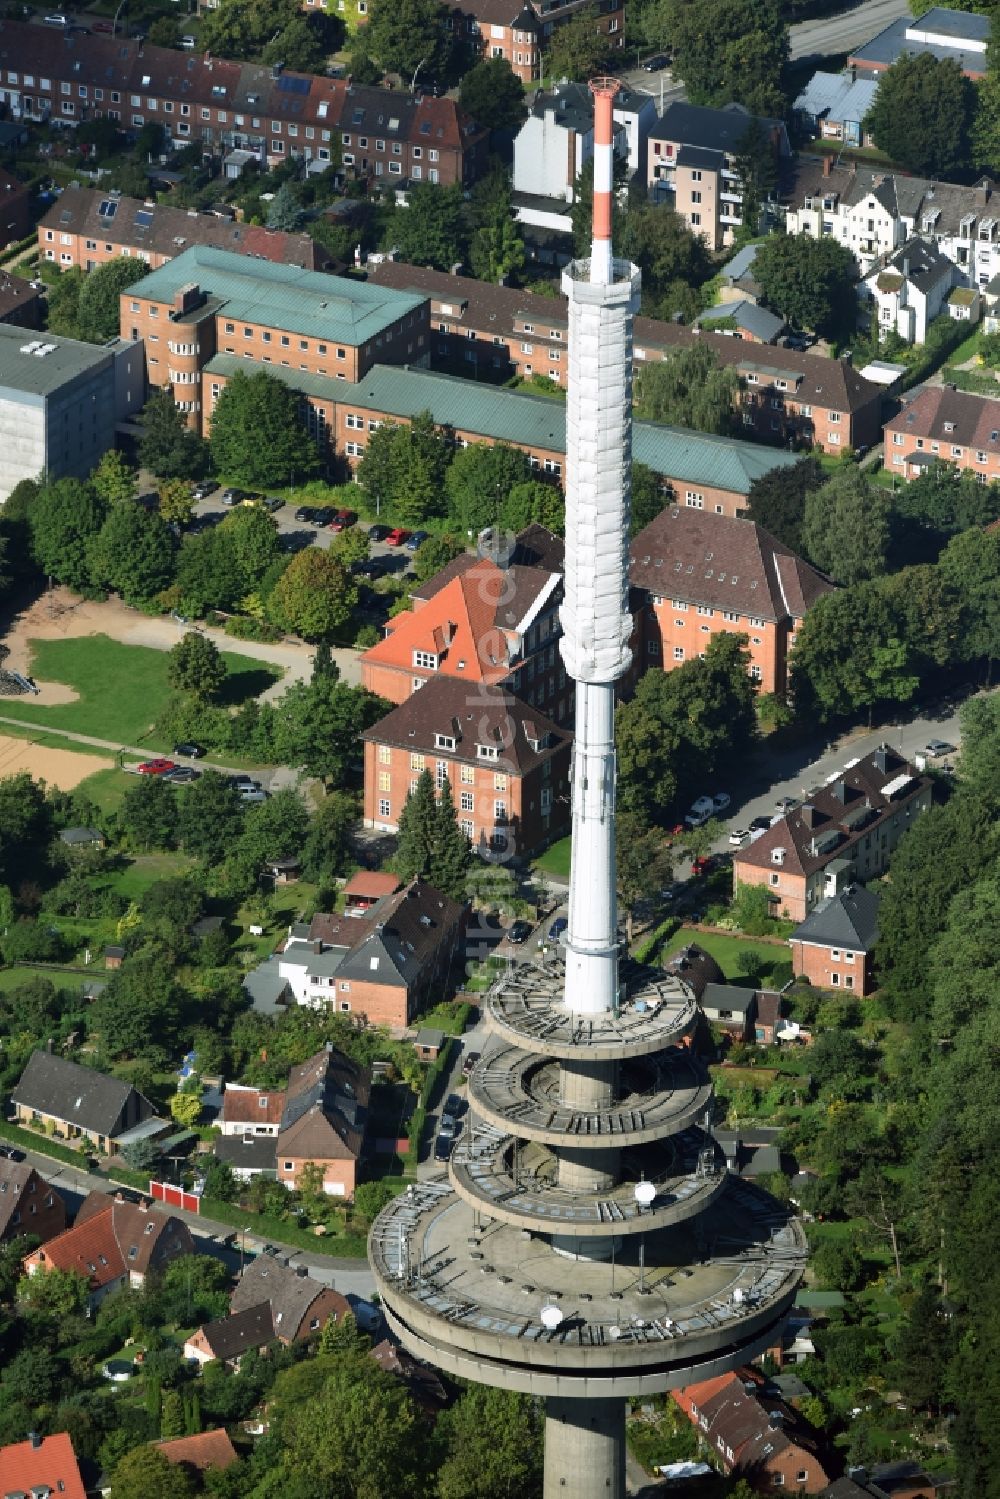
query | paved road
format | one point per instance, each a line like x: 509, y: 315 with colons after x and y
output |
x: 827, y: 36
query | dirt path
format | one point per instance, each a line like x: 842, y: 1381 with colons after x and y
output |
x: 57, y: 767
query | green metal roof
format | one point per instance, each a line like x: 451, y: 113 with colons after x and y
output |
x: 41, y: 374
x: 283, y: 296
x: 534, y: 421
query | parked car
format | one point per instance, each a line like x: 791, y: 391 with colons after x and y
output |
x: 273, y: 503
x: 189, y: 43
x: 454, y: 1106
x: 57, y: 19
x: 519, y: 932
x: 189, y: 751
x: 181, y: 774
x: 448, y: 1128
x: 13, y: 1154
x: 343, y: 520
x: 721, y: 801
x: 701, y: 866
x: 700, y: 812
x: 470, y: 1060
x: 935, y: 747
x: 378, y: 532
x: 157, y: 767
x: 323, y: 516
x: 558, y: 927
x: 231, y: 497
x: 760, y: 824
x: 397, y: 536
x: 253, y: 795
x: 416, y: 541
x: 656, y: 64
x: 738, y: 837
x: 304, y: 513
x: 203, y: 489
x: 369, y: 567
x: 786, y: 804
x: 240, y: 778
x: 443, y: 1147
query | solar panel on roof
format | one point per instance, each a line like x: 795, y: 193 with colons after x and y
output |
x: 108, y: 208
x: 143, y: 218
x: 357, y: 117
x: 425, y: 128
x: 293, y: 85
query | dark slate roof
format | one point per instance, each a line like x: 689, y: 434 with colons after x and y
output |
x: 444, y: 706
x: 849, y: 920
x: 326, y: 1111
x: 289, y: 1294
x: 258, y: 1154
x: 712, y: 129
x: 78, y: 1095
x: 922, y: 263
x: 696, y: 967
x: 229, y: 1337
x: 81, y: 835
x: 887, y: 1479
x: 727, y: 997
x: 14, y: 1179
x: 940, y: 412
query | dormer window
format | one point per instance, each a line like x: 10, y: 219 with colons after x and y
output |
x: 426, y: 659
x: 949, y: 426
x: 487, y: 752
x: 444, y: 741
x: 777, y: 856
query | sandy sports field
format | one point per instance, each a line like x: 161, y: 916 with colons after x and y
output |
x: 57, y: 767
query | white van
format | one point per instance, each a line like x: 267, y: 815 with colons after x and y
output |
x: 700, y: 812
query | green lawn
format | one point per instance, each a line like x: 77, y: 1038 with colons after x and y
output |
x: 726, y: 951
x: 122, y: 688
x: 555, y: 860
x: 105, y: 788
x: 144, y: 870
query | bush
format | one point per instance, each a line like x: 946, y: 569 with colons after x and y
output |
x: 243, y: 627
x: 35, y: 942
x: 366, y: 637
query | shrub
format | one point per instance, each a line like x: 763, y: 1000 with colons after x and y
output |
x: 35, y: 942
x: 243, y: 627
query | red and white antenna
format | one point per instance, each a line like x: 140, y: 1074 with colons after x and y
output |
x: 601, y: 260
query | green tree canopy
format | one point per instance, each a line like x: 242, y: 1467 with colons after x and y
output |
x: 403, y: 468
x: 431, y: 230
x: 409, y: 37
x: 724, y: 50
x: 140, y: 1011
x: 493, y: 94
x: 579, y: 48
x: 436, y: 552
x: 253, y: 536
x: 195, y: 666
x: 845, y: 527
x: 98, y: 314
x: 314, y: 595
x: 133, y: 553
x: 493, y: 1446
x: 777, y: 500
x: 144, y: 1473
x: 147, y: 815
x: 65, y: 516
x: 258, y: 437
x: 479, y: 482
x: 922, y: 113
x: 970, y: 564
x: 809, y: 282
x: 114, y: 478
x: 285, y: 211
x: 672, y: 259
x: 168, y: 447
x: 327, y: 848
x: 210, y: 817
x: 689, y: 388
x: 648, y: 497
x: 496, y: 247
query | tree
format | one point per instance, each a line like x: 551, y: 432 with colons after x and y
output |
x: 493, y: 1444
x: 648, y: 497
x: 922, y: 113
x: 641, y: 861
x: 195, y: 666
x: 986, y: 124
x: 408, y: 36
x: 845, y: 527
x: 450, y: 852
x: 284, y: 210
x: 970, y: 563
x: 327, y: 848
x: 258, y: 437
x: 689, y: 388
x: 210, y: 817
x: 57, y: 1293
x: 777, y: 500
x: 925, y: 1345
x: 314, y: 595
x: 176, y: 502
x: 431, y: 229
x: 114, y: 479
x: 672, y: 259
x: 133, y: 553
x: 435, y: 553
x: 253, y: 535
x: 417, y: 829
x: 147, y: 815
x: 980, y: 720
x: 98, y: 315
x: 533, y: 502
x: 579, y: 48
x: 144, y: 1473
x: 64, y: 518
x: 479, y: 482
x: 403, y: 468
x: 185, y: 1109
x: 245, y: 29
x: 838, y: 1265
x: 757, y: 168
x: 168, y: 447
x: 208, y: 575
x: 139, y: 1013
x: 63, y: 299
x: 317, y: 725
x: 809, y: 282
x: 172, y: 1416
x: 724, y: 50
x: 496, y: 249
x: 493, y: 95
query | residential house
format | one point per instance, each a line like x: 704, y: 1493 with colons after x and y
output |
x: 366, y: 888
x: 229, y: 1338
x: 86, y: 227
x: 556, y: 141
x: 428, y: 1043
x: 41, y: 1466
x: 696, y: 575
x: 964, y: 304
x: 753, y: 1435
x: 201, y: 1453
x: 942, y: 424
x: 247, y: 1156
x: 300, y: 1306
x: 79, y: 1102
x: 15, y: 209
x: 273, y: 113
x: 834, y: 106
x: 750, y: 1153
x: 422, y: 1381
x: 834, y: 947
x: 695, y: 966
x: 693, y: 164
x: 507, y: 764
x: 251, y: 1111
x: 78, y: 838
x: 909, y: 289
x: 785, y: 396
x: 20, y: 302
x: 842, y: 835
x: 478, y: 623
x: 742, y: 1013
x: 113, y: 1243
x: 906, y: 1479
x: 519, y: 30
x: 324, y: 1122
x: 946, y: 35
x: 28, y: 1204
x: 874, y: 213
x: 741, y: 319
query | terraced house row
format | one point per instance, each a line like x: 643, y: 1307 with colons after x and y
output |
x: 65, y: 77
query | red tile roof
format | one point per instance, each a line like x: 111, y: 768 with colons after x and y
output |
x: 52, y: 1464
x: 248, y: 1106
x: 210, y: 1449
x: 101, y: 1241
x: 371, y: 884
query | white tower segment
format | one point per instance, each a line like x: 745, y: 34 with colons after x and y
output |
x: 603, y: 299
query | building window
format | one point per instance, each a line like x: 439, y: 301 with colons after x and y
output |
x: 468, y: 775
x: 466, y: 801
x: 678, y: 653
x: 425, y: 659
x: 384, y: 808
x: 693, y: 498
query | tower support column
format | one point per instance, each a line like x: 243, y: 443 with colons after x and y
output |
x: 584, y: 1449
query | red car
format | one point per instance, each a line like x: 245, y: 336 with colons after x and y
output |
x: 397, y: 537
x: 343, y: 520
x: 157, y: 767
x: 700, y: 866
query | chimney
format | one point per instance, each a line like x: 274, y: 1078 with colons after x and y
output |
x: 317, y: 945
x: 34, y: 1439
x: 827, y: 165
x: 601, y: 264
x: 983, y: 192
x: 906, y: 267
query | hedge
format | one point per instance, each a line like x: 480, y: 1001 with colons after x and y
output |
x: 342, y: 1246
x: 32, y: 1141
x: 648, y: 949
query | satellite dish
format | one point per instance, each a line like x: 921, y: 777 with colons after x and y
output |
x: 551, y: 1317
x: 614, y: 1333
x: 645, y: 1194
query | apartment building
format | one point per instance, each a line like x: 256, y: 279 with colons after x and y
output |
x: 696, y: 575
x: 946, y: 35
x: 692, y: 163
x: 481, y: 621
x: 834, y: 947
x: 15, y: 209
x: 520, y: 30
x: 751, y: 1432
x: 875, y: 213
x: 785, y: 396
x: 842, y: 835
x: 908, y: 290
x: 208, y: 301
x: 556, y: 141
x: 942, y: 424
x: 507, y: 764
x: 85, y: 227
x: 65, y: 77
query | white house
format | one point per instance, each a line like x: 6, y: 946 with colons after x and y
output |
x: 556, y: 141
x: 910, y: 290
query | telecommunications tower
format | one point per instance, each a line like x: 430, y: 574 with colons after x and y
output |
x: 587, y: 1244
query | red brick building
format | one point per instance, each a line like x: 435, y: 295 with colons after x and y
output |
x: 324, y: 1122
x: 834, y: 947
x: 520, y: 30
x: 15, y: 210
x: 28, y: 1204
x: 753, y: 1435
x: 508, y: 766
x: 698, y: 575
x: 20, y: 303
x: 86, y: 227
x: 942, y: 424
x: 842, y: 835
